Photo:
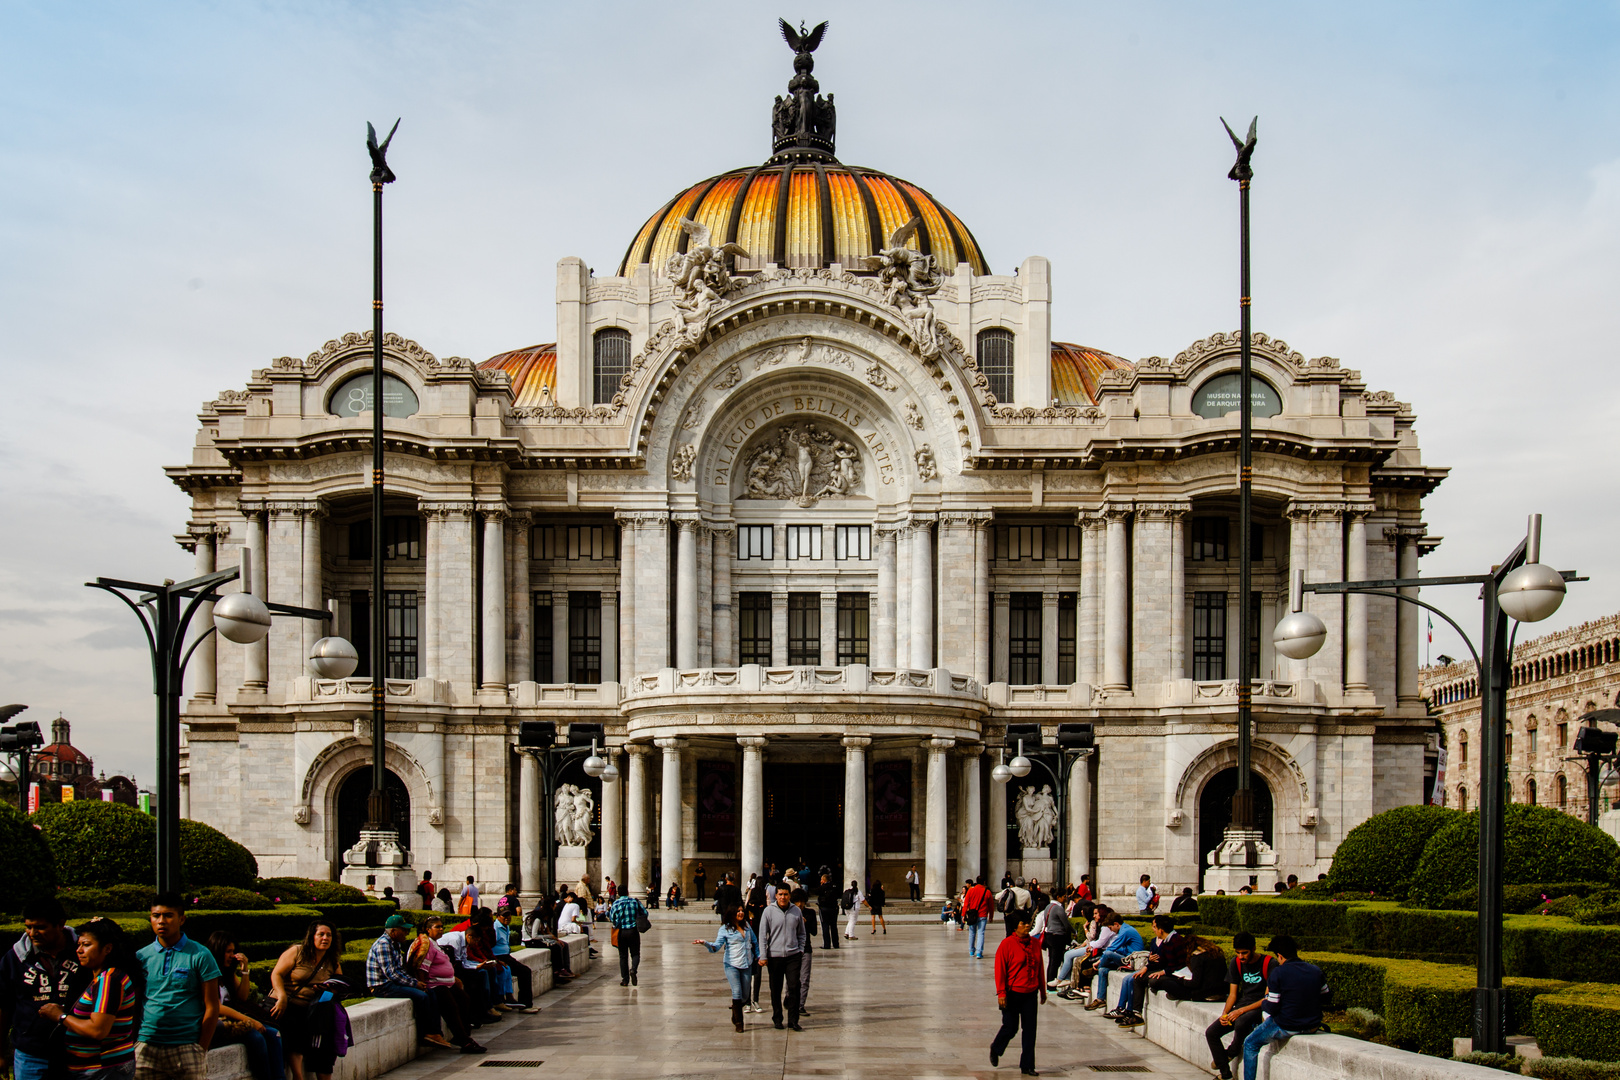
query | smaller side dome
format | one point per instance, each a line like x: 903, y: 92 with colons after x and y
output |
x: 1076, y: 370
x: 533, y: 372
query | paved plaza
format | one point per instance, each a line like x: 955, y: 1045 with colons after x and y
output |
x: 908, y: 1004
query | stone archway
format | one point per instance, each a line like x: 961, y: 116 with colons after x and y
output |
x: 319, y: 810
x: 1290, y: 796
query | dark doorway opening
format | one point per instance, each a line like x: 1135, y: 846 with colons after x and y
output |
x: 351, y: 809
x: 1215, y: 814
x: 804, y: 815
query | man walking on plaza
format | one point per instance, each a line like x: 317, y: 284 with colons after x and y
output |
x: 182, y: 999
x: 827, y: 901
x: 1296, y: 993
x: 625, y: 915
x: 781, y: 945
x: 1020, y: 991
x: 914, y: 883
x: 976, y: 905
x: 40, y: 969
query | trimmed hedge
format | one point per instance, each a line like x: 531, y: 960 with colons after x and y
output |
x: 1380, y: 856
x: 1540, y: 844
x: 1563, y: 1068
x: 225, y: 898
x: 27, y: 869
x: 101, y: 844
x: 296, y: 890
x: 210, y: 858
x: 1580, y: 1021
x: 1519, y: 899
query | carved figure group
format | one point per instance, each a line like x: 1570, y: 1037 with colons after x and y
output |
x: 1037, y: 816
x: 575, y: 806
x: 909, y: 278
x: 803, y: 463
x: 700, y: 280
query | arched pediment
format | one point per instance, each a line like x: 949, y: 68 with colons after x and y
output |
x: 1282, y: 773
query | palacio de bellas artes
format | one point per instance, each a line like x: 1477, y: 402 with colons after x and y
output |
x: 804, y: 517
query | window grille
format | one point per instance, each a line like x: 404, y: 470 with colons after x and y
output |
x: 804, y: 628
x: 852, y: 542
x: 1209, y: 636
x: 611, y: 362
x: 854, y: 628
x: 754, y: 627
x: 1066, y: 639
x: 544, y: 662
x: 1209, y: 539
x: 1024, y: 638
x: 575, y: 542
x: 996, y: 361
x: 584, y: 637
x: 1017, y: 543
x: 1068, y: 542
x: 401, y: 626
x: 754, y: 542
x: 402, y: 538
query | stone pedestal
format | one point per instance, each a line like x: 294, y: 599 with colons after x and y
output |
x: 1037, y: 863
x: 571, y: 863
x: 1231, y: 866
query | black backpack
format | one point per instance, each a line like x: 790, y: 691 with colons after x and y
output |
x: 810, y: 920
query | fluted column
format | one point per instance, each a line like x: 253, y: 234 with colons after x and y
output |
x: 753, y: 805
x: 313, y: 631
x: 686, y: 591
x: 705, y: 597
x: 983, y: 539
x: 779, y: 630
x: 520, y: 606
x: 1407, y: 691
x: 936, y: 883
x: 1355, y: 642
x: 204, y: 667
x: 883, y: 615
x: 922, y: 591
x: 1116, y: 670
x: 855, y: 807
x: 1080, y: 819
x: 1178, y: 596
x: 725, y: 631
x: 627, y: 596
x: 256, y: 670
x: 610, y: 636
x: 428, y: 631
x: 1049, y: 637
x: 902, y: 598
x: 967, y: 817
x: 530, y: 857
x: 995, y: 827
x: 1001, y: 643
x: 494, y: 629
x: 669, y: 818
x: 652, y: 593
x: 639, y: 872
x: 612, y: 819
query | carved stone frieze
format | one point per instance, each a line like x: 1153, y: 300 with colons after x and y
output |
x: 802, y: 463
x: 914, y: 415
x: 680, y: 466
x: 926, y: 467
x: 875, y: 376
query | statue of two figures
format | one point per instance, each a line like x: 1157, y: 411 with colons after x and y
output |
x: 1036, y: 812
x: 575, y: 807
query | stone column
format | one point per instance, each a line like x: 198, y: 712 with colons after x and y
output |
x: 669, y: 818
x: 284, y: 561
x: 639, y: 872
x: 725, y: 631
x: 779, y: 632
x: 520, y: 606
x: 612, y: 820
x: 922, y: 591
x: 1324, y: 561
x: 1406, y: 625
x: 958, y: 641
x: 610, y: 636
x: 494, y: 630
x: 967, y: 848
x: 204, y: 668
x: 883, y: 613
x: 559, y: 636
x: 530, y: 856
x: 1178, y: 595
x: 855, y: 807
x: 256, y: 669
x: 1152, y: 571
x: 936, y: 883
x: 1049, y: 637
x: 428, y: 631
x: 652, y: 593
x: 1116, y: 661
x: 1080, y: 820
x: 983, y: 539
x: 1001, y: 643
x: 902, y: 598
x: 1355, y: 630
x: 686, y: 591
x: 995, y: 841
x: 456, y: 611
x: 313, y: 631
x: 1088, y: 616
x: 829, y: 627
x: 753, y: 806
x: 627, y: 595
x: 705, y: 597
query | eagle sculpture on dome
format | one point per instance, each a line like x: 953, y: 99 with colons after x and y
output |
x: 803, y: 42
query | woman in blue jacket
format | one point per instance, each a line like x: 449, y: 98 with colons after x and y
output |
x: 740, y: 958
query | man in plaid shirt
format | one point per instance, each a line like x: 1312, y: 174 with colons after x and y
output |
x: 624, y: 914
x: 387, y: 976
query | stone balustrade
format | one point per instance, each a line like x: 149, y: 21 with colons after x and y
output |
x: 851, y: 679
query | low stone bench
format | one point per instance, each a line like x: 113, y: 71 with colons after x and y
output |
x: 384, y: 1029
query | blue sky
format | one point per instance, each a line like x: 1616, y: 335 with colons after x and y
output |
x: 1437, y: 204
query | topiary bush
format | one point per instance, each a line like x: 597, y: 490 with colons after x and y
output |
x: 26, y: 867
x: 1380, y: 856
x: 208, y: 857
x: 99, y: 843
x: 1581, y: 1021
x: 1518, y: 899
x: 1540, y: 844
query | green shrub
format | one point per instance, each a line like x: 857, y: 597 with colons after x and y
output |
x: 81, y: 900
x: 1415, y: 933
x: 1218, y: 911
x: 1540, y: 844
x: 1362, y: 1023
x: 1314, y: 924
x: 225, y: 898
x: 1581, y: 1021
x: 99, y: 843
x: 296, y: 890
x: 1563, y: 1068
x: 1380, y: 856
x: 130, y: 897
x: 1543, y: 946
x: 27, y: 870
x: 208, y: 857
x: 1517, y: 899
x: 1505, y: 1062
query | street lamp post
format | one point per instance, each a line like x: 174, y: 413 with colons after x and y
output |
x: 1520, y: 588
x: 240, y: 617
x: 539, y: 737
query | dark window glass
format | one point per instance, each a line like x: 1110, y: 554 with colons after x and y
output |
x: 584, y: 637
x: 1209, y: 539
x: 1024, y: 633
x: 544, y: 642
x: 854, y: 636
x: 611, y: 362
x: 360, y: 628
x: 400, y: 617
x: 1209, y: 636
x: 996, y: 361
x: 360, y: 540
x: 804, y: 628
x: 1254, y: 635
x: 402, y: 538
x: 1066, y: 638
x: 754, y: 628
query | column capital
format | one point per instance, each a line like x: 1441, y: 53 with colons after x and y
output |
x: 964, y: 519
x: 755, y: 743
x: 520, y: 519
x: 668, y: 744
x: 250, y: 508
x: 494, y: 511
x: 888, y: 533
x: 939, y: 746
x: 1117, y: 513
x: 687, y: 521
x: 721, y: 530
x: 449, y: 509
x: 1393, y: 533
x: 856, y: 742
x: 637, y: 749
x: 969, y: 751
x: 1360, y: 511
x: 1166, y: 511
x: 642, y: 519
x: 921, y: 520
x: 1297, y: 510
x: 293, y: 507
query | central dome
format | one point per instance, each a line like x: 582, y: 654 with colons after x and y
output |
x: 797, y: 213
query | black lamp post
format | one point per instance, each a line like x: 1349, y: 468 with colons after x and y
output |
x: 1519, y: 588
x: 1597, y: 748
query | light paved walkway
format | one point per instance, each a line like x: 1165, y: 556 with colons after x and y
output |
x: 909, y: 1004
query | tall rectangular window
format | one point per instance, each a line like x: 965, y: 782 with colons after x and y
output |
x: 1209, y: 539
x: 402, y: 538
x: 852, y: 542
x: 544, y: 642
x: 1068, y: 542
x: 1024, y: 638
x: 854, y: 634
x: 804, y: 541
x: 996, y: 361
x: 610, y: 361
x: 1066, y: 638
x: 804, y: 628
x: 401, y: 626
x: 754, y: 628
x: 754, y: 542
x: 360, y: 625
x: 584, y: 637
x: 1254, y: 635
x: 1209, y: 636
x: 1017, y: 543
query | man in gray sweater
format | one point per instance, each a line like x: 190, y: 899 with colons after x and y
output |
x: 782, y: 935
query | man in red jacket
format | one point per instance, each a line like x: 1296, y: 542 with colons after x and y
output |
x: 1020, y: 989
x: 977, y: 904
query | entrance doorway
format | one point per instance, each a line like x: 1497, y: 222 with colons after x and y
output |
x: 351, y: 809
x: 804, y: 815
x: 1215, y: 813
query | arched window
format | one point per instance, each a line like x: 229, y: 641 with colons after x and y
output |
x: 1462, y: 798
x: 610, y: 362
x: 1530, y: 791
x: 996, y: 361
x: 1562, y: 789
x: 1462, y: 748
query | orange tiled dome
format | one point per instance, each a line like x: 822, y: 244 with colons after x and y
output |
x: 1076, y: 370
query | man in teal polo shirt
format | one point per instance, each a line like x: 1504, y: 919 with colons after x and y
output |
x: 182, y: 999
